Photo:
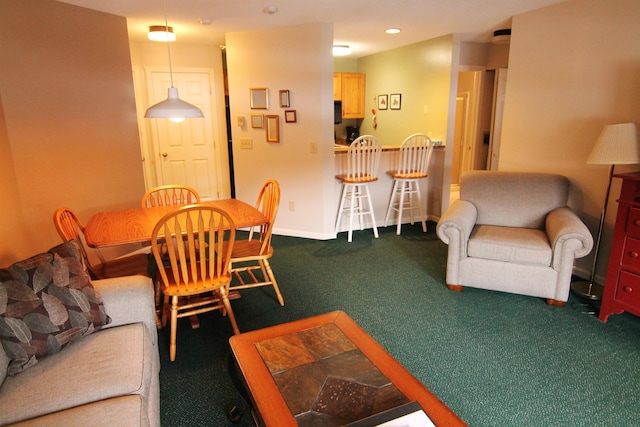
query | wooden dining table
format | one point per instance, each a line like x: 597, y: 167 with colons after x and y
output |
x: 136, y: 225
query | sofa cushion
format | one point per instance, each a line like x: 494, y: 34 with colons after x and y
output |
x: 111, y: 363
x: 46, y: 301
x: 124, y: 411
x: 509, y: 244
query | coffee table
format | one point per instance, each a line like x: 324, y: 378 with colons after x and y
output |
x: 326, y: 370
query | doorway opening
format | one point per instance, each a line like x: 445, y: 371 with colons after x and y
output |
x: 474, y: 125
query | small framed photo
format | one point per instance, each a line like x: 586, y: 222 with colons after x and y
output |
x: 259, y: 98
x: 290, y: 116
x: 257, y: 121
x: 395, y: 101
x: 383, y: 101
x: 285, y: 102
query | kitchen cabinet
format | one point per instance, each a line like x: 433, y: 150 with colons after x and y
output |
x: 350, y: 89
x: 622, y: 285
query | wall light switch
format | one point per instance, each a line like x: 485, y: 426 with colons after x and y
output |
x: 246, y: 143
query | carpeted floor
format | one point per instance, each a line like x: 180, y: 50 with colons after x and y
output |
x: 495, y: 359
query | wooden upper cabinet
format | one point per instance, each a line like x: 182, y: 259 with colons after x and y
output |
x: 337, y: 87
x: 351, y: 94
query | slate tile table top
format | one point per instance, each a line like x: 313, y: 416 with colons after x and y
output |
x: 326, y: 371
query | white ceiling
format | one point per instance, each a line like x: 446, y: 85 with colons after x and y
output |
x: 358, y: 23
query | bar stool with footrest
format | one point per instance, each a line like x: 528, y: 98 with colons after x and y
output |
x: 361, y: 168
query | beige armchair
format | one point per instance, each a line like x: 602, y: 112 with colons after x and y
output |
x: 513, y: 232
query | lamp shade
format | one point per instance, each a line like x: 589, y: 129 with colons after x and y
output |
x: 173, y: 108
x: 617, y: 145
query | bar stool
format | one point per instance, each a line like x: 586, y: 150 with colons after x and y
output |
x: 361, y: 168
x: 411, y: 167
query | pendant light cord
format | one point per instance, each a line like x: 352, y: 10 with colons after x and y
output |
x: 166, y: 27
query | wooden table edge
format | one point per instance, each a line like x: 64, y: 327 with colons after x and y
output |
x: 253, y: 367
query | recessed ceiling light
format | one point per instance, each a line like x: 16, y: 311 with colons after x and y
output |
x: 392, y: 30
x: 341, y: 50
x: 205, y: 20
x: 270, y: 9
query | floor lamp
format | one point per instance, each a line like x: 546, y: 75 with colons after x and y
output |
x: 617, y: 145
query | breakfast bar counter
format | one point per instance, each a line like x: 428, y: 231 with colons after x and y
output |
x: 430, y: 188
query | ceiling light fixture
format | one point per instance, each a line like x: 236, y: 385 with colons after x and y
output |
x: 270, y: 10
x: 341, y: 50
x: 392, y: 30
x: 501, y: 36
x: 161, y: 33
x: 173, y: 107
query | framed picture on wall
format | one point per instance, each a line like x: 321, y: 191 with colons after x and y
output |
x: 383, y: 101
x: 290, y: 116
x: 395, y: 101
x: 257, y: 121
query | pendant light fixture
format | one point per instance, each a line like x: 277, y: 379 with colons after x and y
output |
x: 173, y: 107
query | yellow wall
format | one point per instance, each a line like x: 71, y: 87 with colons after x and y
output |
x: 68, y: 129
x: 573, y: 68
x: 421, y: 73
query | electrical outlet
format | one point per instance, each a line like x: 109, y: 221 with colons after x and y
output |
x: 313, y: 147
x: 246, y: 143
x: 292, y: 206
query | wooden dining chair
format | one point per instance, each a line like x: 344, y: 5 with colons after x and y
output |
x: 411, y: 166
x: 70, y: 227
x: 253, y: 254
x: 166, y: 195
x: 196, y: 278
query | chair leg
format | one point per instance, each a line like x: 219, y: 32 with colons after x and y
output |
x: 423, y: 217
x: 351, y: 207
x: 391, y: 199
x: 342, y: 197
x: 174, y: 328
x: 272, y: 278
x: 401, y: 207
x: 456, y: 288
x: 373, y: 218
x: 227, y: 305
x: 555, y: 302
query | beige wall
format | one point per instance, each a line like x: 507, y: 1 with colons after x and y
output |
x: 573, y: 68
x: 68, y: 133
x: 298, y: 59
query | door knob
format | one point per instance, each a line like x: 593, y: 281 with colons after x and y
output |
x: 164, y: 154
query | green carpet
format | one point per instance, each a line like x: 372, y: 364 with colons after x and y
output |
x: 495, y: 359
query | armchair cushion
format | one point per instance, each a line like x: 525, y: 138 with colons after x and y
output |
x: 510, y: 244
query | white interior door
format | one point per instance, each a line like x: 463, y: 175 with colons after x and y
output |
x: 185, y: 151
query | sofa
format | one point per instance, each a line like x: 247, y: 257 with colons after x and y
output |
x: 105, y: 374
x: 513, y: 232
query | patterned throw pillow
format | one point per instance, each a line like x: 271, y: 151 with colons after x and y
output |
x: 46, y: 302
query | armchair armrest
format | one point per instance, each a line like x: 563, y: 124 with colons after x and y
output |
x: 456, y: 225
x: 564, y: 228
x: 129, y: 299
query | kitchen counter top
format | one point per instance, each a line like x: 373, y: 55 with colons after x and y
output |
x: 342, y: 148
